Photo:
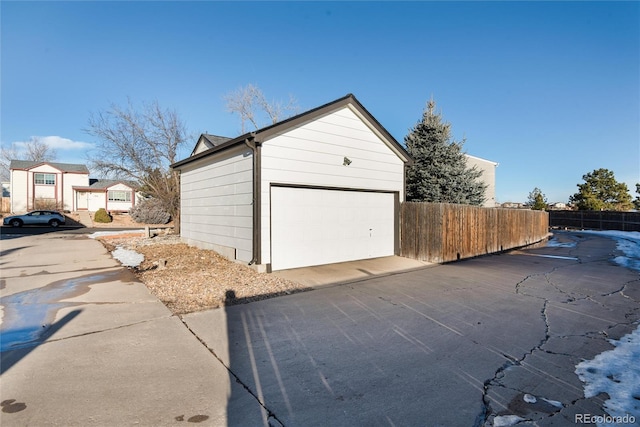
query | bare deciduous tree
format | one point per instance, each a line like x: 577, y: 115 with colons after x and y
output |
x: 140, y: 146
x: 34, y: 150
x: 252, y: 106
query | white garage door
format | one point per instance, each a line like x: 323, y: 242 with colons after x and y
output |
x: 313, y: 226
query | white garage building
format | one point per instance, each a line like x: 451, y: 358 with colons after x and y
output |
x: 321, y: 187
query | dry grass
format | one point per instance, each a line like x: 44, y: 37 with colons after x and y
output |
x: 187, y: 279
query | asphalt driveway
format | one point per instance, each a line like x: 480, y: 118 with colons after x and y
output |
x: 471, y: 343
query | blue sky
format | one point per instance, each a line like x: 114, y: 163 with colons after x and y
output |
x: 549, y: 90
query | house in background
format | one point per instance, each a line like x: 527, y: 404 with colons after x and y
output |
x: 112, y: 195
x: 65, y: 186
x: 207, y: 141
x: 45, y: 184
x: 322, y: 187
x: 488, y: 178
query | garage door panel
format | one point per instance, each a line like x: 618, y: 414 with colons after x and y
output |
x: 315, y: 226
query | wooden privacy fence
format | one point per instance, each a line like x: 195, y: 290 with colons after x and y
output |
x: 6, y: 205
x: 597, y: 220
x: 442, y: 232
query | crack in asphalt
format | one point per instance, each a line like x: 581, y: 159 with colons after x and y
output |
x: 487, y: 411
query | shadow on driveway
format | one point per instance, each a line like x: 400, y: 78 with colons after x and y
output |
x: 27, y: 340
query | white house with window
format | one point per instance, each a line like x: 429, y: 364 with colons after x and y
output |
x: 44, y: 185
x: 65, y: 186
x: 112, y: 195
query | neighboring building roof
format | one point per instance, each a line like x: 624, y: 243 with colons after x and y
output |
x: 482, y: 160
x: 298, y: 120
x: 215, y: 139
x: 64, y: 167
x: 209, y: 141
x: 104, y: 184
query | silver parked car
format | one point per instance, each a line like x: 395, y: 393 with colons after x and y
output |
x: 50, y: 218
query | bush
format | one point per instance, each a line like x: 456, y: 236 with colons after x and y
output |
x: 102, y: 216
x: 47, y: 204
x: 150, y: 211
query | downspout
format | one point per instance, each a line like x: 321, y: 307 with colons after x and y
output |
x: 256, y: 147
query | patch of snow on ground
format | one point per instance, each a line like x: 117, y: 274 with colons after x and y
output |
x: 506, y: 420
x: 628, y: 243
x: 617, y: 372
x: 571, y: 258
x: 112, y: 233
x: 127, y: 257
x: 555, y: 243
x: 553, y: 402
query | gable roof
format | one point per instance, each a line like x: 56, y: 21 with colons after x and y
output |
x: 106, y: 183
x: 102, y: 185
x: 63, y: 167
x: 209, y: 141
x: 300, y: 119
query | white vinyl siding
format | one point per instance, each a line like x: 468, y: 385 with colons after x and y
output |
x: 488, y: 177
x: 313, y: 155
x: 217, y: 202
x: 96, y: 200
x: 19, y: 191
x: 119, y: 197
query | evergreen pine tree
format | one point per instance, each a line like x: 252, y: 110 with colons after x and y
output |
x: 440, y: 173
x: 601, y: 191
x: 537, y: 200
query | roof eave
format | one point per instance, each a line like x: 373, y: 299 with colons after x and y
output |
x: 272, y: 130
x: 218, y: 148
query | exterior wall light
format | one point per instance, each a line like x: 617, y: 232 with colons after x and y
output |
x: 346, y: 161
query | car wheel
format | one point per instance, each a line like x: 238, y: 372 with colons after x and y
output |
x: 16, y: 223
x: 54, y: 223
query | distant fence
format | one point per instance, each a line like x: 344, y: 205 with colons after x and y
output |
x: 596, y: 220
x: 441, y: 232
x: 6, y: 204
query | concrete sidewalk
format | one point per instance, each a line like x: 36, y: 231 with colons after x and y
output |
x: 105, y: 352
x: 351, y: 271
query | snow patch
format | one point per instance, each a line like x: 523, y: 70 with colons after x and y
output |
x: 617, y: 373
x: 555, y: 243
x: 628, y: 243
x: 506, y: 420
x: 112, y: 233
x: 529, y: 398
x: 570, y: 258
x: 127, y: 257
x: 554, y: 403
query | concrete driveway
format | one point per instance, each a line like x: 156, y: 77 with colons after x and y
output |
x: 449, y: 345
x: 85, y: 344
